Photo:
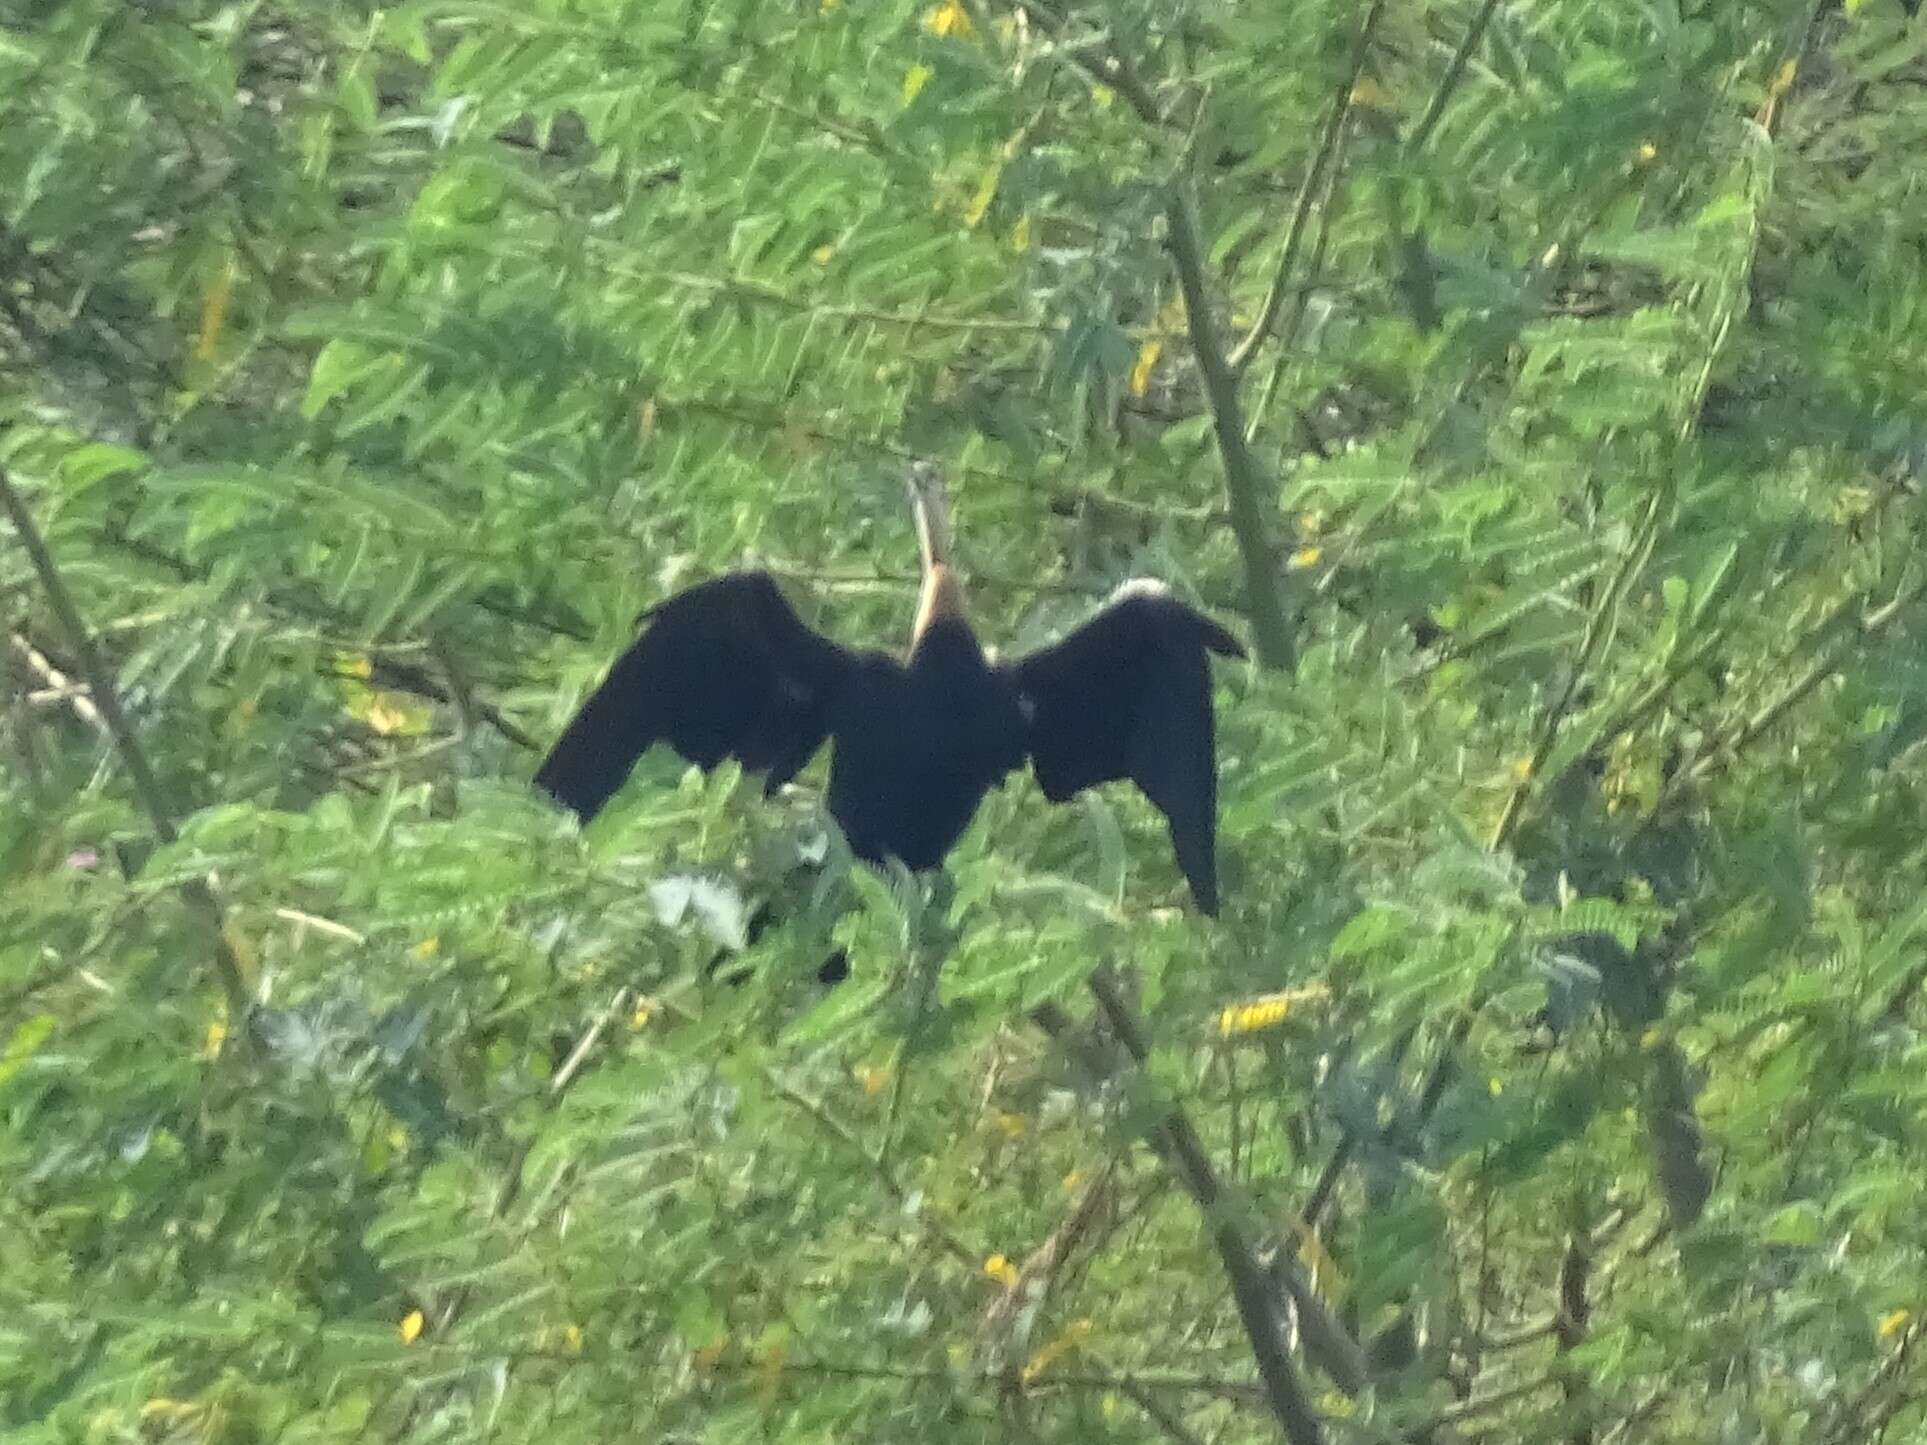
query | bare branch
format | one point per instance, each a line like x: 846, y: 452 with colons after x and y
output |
x: 58, y: 685
x: 1177, y: 1143
x: 100, y: 684
x: 1449, y: 82
x: 1244, y: 487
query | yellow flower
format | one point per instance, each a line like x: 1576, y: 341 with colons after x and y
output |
x: 391, y: 715
x: 986, y: 192
x: 1073, y: 1336
x: 1147, y: 360
x: 949, y: 18
x: 1370, y: 92
x: 769, y: 1373
x: 411, y: 1326
x: 214, y: 312
x: 1001, y: 1270
x: 1269, y: 1010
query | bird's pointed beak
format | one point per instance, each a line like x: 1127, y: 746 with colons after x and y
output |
x: 930, y: 501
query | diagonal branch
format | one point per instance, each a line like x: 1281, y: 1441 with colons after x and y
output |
x: 106, y: 699
x: 1176, y: 1142
x: 1726, y: 747
x: 1244, y: 487
x: 1322, y: 158
x: 1449, y: 82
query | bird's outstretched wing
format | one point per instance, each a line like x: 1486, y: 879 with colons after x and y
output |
x: 724, y: 669
x: 1128, y: 695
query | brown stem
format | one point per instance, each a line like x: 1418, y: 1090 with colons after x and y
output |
x: 1176, y: 1142
x: 100, y: 683
x: 1574, y: 1313
x: 1449, y: 82
x: 1244, y: 487
x: 1271, y: 630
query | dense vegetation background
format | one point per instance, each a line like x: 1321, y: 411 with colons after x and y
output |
x: 1538, y: 386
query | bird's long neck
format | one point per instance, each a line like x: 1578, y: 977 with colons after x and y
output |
x: 942, y: 600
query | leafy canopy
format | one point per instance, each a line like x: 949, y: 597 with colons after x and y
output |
x: 1541, y: 383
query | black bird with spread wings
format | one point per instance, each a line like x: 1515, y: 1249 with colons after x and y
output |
x: 727, y: 669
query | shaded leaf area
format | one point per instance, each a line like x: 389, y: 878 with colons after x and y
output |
x: 368, y: 370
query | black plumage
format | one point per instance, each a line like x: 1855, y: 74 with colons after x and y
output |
x: 728, y: 669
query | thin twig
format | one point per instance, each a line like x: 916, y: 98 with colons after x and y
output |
x: 1638, y: 549
x: 320, y: 925
x: 26, y: 731
x: 836, y: 1129
x: 1853, y: 1418
x: 1055, y: 1380
x: 1327, y: 1182
x: 1301, y: 299
x: 1724, y: 752
x: 384, y: 670
x: 591, y: 1036
x: 509, y: 1189
x: 1160, y: 1414
x: 742, y: 289
x: 1326, y: 1339
x: 59, y: 685
x: 1323, y: 156
x: 1454, y: 73
x: 1493, y: 1399
x: 1102, y: 61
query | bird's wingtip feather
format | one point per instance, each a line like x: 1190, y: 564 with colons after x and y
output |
x: 1214, y: 636
x: 1218, y: 640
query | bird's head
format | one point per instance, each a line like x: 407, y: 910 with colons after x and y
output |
x: 930, y: 501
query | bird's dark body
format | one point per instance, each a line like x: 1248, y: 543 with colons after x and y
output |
x: 915, y: 746
x: 728, y: 669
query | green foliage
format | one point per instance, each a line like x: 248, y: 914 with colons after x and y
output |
x: 369, y: 369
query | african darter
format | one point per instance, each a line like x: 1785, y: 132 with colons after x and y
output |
x: 727, y: 669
